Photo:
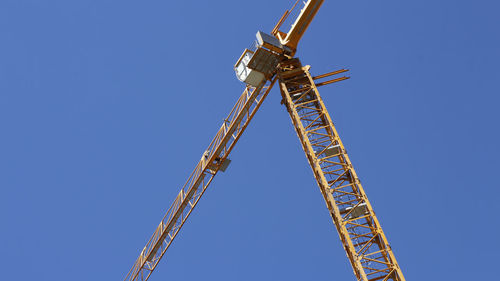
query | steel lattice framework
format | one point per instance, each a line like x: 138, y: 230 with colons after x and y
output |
x: 204, y: 172
x: 359, y: 229
x: 364, y: 241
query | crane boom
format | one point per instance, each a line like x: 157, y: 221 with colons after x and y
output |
x: 213, y: 159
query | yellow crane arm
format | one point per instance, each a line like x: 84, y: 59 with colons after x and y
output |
x: 213, y: 160
x: 292, y: 37
x: 364, y: 241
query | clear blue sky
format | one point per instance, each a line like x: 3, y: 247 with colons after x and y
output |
x: 106, y: 107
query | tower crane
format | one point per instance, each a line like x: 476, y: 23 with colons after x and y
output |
x: 273, y: 60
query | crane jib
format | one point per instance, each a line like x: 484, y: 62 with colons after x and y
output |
x: 199, y: 180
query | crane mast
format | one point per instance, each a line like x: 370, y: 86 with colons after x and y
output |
x: 273, y: 60
x: 364, y: 241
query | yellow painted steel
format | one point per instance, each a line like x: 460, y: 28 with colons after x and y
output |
x: 211, y: 161
x: 365, y: 243
x: 292, y: 37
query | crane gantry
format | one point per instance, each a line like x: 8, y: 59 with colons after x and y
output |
x: 273, y: 61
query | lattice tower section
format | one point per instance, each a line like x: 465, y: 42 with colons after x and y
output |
x: 364, y: 241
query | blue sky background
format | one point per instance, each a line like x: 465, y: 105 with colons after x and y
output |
x: 106, y: 107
